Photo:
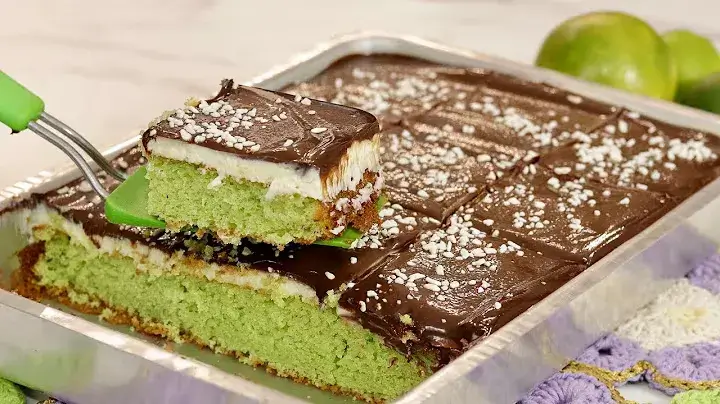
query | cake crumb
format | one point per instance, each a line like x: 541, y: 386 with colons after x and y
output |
x: 406, y: 319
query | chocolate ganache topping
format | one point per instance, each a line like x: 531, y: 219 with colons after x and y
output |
x: 276, y: 127
x: 501, y: 190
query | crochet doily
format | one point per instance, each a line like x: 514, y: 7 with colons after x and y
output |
x: 673, y: 344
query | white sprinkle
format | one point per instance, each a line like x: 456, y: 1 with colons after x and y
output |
x: 562, y: 170
x: 311, y: 112
x: 288, y: 142
x: 513, y: 201
x: 318, y: 130
x: 362, y: 306
x: 488, y: 222
x: 305, y: 101
x: 622, y: 126
x: 433, y: 287
x: 575, y: 99
x: 216, y: 182
x: 497, y: 305
x: 255, y: 148
x: 353, y: 260
x: 625, y: 201
x: 483, y: 158
x: 329, y: 275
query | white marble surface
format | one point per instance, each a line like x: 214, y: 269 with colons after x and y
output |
x: 108, y: 67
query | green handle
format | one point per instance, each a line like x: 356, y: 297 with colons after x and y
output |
x: 18, y: 106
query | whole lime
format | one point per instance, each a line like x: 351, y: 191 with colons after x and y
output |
x: 695, y: 58
x: 10, y: 393
x: 611, y: 48
x: 705, y: 94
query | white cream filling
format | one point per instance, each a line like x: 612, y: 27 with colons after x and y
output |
x: 281, y: 178
x: 157, y: 262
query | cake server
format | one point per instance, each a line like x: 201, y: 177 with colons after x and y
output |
x: 21, y: 109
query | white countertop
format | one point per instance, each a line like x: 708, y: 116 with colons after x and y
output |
x: 107, y: 67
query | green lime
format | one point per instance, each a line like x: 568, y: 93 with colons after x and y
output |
x: 695, y: 58
x: 10, y: 393
x: 611, y: 48
x: 705, y: 94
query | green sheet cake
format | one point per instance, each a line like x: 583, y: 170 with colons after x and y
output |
x: 499, y: 191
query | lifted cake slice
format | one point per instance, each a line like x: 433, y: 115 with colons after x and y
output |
x: 262, y: 165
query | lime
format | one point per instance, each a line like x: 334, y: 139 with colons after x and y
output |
x: 611, y: 48
x: 10, y: 393
x: 695, y: 58
x: 705, y: 94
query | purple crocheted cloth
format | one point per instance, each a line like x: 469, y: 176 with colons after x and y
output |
x: 569, y: 388
x: 707, y: 274
x: 695, y: 363
x: 614, y: 354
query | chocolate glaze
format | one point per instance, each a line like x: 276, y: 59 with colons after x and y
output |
x: 275, y: 118
x: 473, y: 288
x: 630, y: 151
x: 395, y: 88
x: 437, y: 141
x: 436, y: 174
x: 564, y: 216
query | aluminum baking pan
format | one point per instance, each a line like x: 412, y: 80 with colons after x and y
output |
x: 82, y: 360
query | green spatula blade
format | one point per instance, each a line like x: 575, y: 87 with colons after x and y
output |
x: 127, y: 204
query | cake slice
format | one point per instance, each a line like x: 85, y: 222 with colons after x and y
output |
x: 262, y: 165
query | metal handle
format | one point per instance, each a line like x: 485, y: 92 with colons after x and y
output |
x: 82, y: 143
x: 74, y: 155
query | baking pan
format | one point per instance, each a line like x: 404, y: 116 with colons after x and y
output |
x: 82, y: 360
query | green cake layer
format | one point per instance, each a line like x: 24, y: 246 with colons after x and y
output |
x: 184, y: 194
x: 289, y: 334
